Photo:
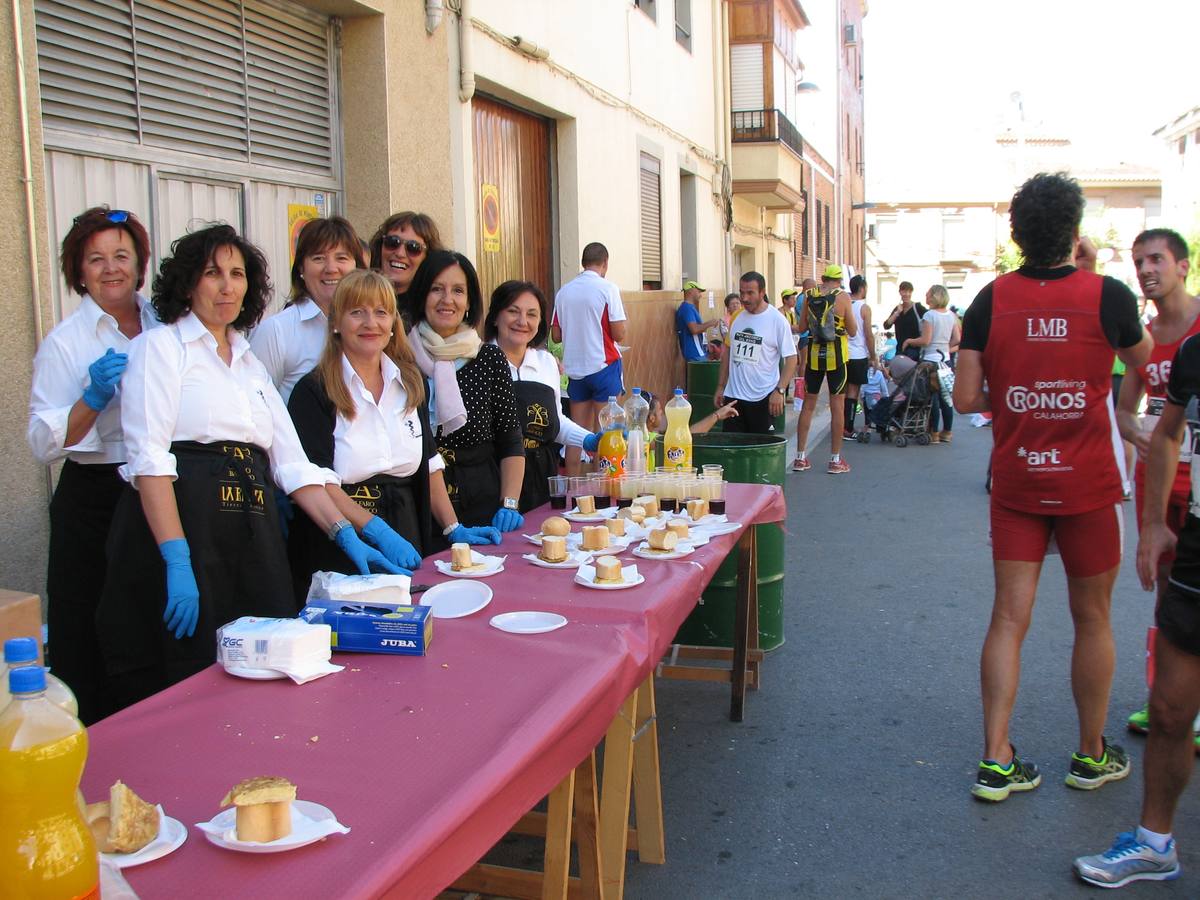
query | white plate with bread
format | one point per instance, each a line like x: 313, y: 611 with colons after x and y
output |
x: 129, y: 831
x: 679, y: 551
x: 467, y: 563
x: 573, y: 560
x: 607, y: 574
x: 717, y: 528
x: 266, y: 817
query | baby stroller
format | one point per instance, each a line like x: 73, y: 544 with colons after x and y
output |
x: 905, y: 413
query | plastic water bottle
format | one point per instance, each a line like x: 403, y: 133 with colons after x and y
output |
x: 23, y: 652
x: 46, y: 848
x: 611, y: 451
x: 677, y: 439
x: 637, y: 412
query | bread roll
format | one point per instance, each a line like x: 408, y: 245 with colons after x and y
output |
x: 595, y: 537
x: 554, y: 549
x: 634, y: 513
x: 697, y: 509
x: 264, y: 808
x: 616, y: 527
x: 586, y: 504
x: 679, y: 527
x: 648, y: 503
x: 556, y: 525
x: 663, y: 539
x: 608, y: 570
x: 460, y: 557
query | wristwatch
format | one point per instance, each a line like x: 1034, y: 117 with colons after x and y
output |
x: 510, y: 503
x: 336, y: 528
x: 781, y: 391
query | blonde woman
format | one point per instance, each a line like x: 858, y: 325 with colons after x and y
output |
x: 362, y: 412
x: 940, y: 335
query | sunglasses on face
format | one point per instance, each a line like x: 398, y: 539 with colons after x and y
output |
x: 116, y: 216
x: 395, y: 242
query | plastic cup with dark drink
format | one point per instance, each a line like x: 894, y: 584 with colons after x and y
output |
x: 716, y: 498
x: 558, y: 491
x: 602, y: 490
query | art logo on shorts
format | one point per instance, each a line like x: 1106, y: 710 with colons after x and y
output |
x: 1050, y: 460
x: 1051, y: 400
x: 1041, y: 330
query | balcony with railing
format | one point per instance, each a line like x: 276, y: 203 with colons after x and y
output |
x: 767, y: 154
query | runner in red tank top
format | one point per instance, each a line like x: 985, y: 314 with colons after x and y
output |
x: 1176, y: 319
x: 1042, y: 339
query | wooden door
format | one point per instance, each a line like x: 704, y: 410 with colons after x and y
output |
x: 514, y: 206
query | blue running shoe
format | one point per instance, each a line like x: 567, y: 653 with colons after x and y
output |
x: 1128, y: 859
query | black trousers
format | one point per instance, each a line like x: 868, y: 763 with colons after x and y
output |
x: 754, y: 417
x: 227, y: 507
x: 81, y: 514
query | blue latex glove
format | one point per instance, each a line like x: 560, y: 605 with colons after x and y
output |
x: 507, y: 519
x: 183, y: 596
x: 591, y: 443
x: 483, y: 534
x: 365, y: 557
x: 391, y: 545
x: 106, y: 374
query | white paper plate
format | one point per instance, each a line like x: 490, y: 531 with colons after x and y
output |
x: 681, y: 550
x: 574, y: 538
x: 255, y: 674
x: 718, y: 528
x: 598, y: 516
x: 573, y: 561
x: 709, y: 519
x: 171, y: 836
x: 310, y: 823
x: 455, y: 599
x: 528, y: 622
x: 587, y: 577
x: 494, y: 564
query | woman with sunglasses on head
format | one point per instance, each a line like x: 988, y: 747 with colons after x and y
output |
x: 471, y: 401
x: 75, y: 415
x: 398, y: 248
x: 195, y: 539
x: 290, y: 342
x: 517, y: 323
x: 362, y: 413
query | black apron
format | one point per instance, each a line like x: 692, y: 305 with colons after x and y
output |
x: 227, y: 508
x: 390, y: 498
x: 81, y: 514
x: 473, y: 482
x: 538, y: 411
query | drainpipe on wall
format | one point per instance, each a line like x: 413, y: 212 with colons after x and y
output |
x: 35, y: 284
x: 466, y: 74
x: 433, y: 15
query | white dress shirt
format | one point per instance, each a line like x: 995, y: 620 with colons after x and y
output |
x: 541, y: 366
x: 177, y: 388
x: 289, y: 343
x: 383, y: 438
x: 60, y: 375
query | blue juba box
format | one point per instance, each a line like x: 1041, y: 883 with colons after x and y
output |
x: 357, y: 628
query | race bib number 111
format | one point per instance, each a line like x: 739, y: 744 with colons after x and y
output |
x: 747, y: 347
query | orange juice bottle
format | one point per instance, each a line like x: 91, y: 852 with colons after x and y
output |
x: 611, y: 451
x: 46, y: 848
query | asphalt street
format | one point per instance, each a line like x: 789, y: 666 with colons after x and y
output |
x: 851, y: 773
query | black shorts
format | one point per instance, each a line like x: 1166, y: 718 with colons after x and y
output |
x: 1178, y: 618
x: 856, y: 371
x: 836, y: 377
x: 754, y: 417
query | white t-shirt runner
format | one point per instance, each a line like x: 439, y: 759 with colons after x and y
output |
x: 583, y: 309
x: 757, y: 344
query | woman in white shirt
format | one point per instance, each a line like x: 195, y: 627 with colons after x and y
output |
x: 195, y: 539
x: 290, y: 342
x: 362, y: 413
x: 940, y: 336
x: 75, y: 415
x: 517, y: 323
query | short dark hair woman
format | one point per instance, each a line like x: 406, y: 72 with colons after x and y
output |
x: 196, y: 541
x: 473, y: 407
x: 289, y: 343
x: 398, y: 248
x: 518, y: 322
x: 75, y: 415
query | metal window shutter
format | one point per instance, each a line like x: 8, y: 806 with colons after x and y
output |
x: 651, y: 219
x: 746, y: 76
x: 287, y: 73
x: 86, y: 67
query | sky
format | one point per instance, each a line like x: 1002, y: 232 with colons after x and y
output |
x: 939, y: 76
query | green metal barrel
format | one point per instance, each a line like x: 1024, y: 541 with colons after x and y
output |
x: 748, y: 459
x: 702, y: 380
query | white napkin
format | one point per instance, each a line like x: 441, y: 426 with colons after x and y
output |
x: 446, y: 567
x: 588, y: 573
x: 222, y: 825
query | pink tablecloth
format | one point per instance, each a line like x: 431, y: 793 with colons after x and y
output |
x: 429, y: 760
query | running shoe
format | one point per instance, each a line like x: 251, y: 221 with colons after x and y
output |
x: 1128, y: 859
x: 994, y: 782
x: 1139, y: 722
x: 849, y: 435
x: 801, y: 465
x: 840, y: 467
x: 1087, y: 774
